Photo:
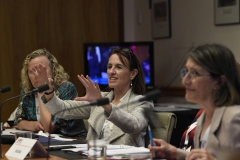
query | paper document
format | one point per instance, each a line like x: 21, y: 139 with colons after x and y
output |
x: 75, y: 145
x: 112, y: 149
x: 133, y: 150
x: 178, y: 105
x: 54, y: 136
x: 12, y: 131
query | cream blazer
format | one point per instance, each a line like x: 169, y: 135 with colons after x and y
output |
x: 224, y: 131
x: 129, y: 119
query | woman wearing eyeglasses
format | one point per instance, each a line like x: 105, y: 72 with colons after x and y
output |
x: 211, y: 78
x: 121, y: 121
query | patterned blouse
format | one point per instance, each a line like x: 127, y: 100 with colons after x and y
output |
x: 190, y: 134
x: 67, y: 91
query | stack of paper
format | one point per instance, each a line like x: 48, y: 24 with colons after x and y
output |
x: 111, y: 149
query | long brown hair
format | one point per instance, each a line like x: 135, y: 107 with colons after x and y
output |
x: 131, y: 61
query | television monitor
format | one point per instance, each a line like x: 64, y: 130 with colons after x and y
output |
x: 96, y: 59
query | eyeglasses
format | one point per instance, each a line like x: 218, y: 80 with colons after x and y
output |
x: 191, y: 75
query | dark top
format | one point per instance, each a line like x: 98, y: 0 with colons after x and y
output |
x: 67, y: 91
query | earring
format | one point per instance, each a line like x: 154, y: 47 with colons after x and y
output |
x: 131, y: 83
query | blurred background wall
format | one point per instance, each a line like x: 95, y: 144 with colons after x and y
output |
x: 192, y: 25
x: 61, y: 26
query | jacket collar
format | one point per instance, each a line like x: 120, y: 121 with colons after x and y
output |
x: 215, y: 124
x: 98, y: 117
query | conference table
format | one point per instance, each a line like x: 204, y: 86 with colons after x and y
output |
x: 7, y: 141
x: 6, y: 147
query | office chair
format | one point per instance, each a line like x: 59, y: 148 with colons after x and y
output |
x: 167, y: 122
x: 86, y: 123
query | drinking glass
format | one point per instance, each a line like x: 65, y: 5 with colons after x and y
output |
x: 97, y: 149
x: 25, y: 135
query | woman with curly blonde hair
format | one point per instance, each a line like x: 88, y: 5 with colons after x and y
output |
x: 31, y: 114
x: 58, y: 71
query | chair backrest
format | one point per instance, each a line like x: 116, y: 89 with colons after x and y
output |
x: 167, y: 122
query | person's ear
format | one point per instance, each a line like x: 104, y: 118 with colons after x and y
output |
x: 134, y: 73
x: 221, y: 81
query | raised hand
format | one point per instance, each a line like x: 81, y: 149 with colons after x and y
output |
x: 40, y: 73
x: 42, y: 76
x: 93, y: 91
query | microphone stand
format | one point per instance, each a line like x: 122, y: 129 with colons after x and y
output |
x: 1, y: 120
x: 99, y: 102
x: 152, y: 95
x: 39, y: 89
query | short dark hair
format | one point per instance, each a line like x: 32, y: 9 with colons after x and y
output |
x: 218, y: 60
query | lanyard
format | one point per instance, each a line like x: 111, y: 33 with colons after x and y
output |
x: 191, y: 127
x: 203, y: 143
x: 104, y: 125
x: 37, y: 109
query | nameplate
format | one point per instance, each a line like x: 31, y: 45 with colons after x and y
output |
x: 22, y: 146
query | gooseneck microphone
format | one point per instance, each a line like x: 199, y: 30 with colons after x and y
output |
x: 5, y: 89
x: 38, y: 89
x: 99, y: 102
x: 150, y: 96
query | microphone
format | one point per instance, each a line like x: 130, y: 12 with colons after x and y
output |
x: 149, y: 96
x: 38, y: 89
x: 5, y: 89
x: 99, y: 102
x: 152, y: 95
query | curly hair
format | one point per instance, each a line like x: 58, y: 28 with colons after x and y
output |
x: 59, y: 75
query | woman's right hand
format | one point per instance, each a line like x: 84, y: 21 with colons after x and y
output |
x: 40, y: 73
x: 163, y: 149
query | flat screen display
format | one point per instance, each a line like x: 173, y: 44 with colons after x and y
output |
x: 96, y: 60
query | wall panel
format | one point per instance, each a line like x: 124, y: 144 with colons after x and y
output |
x: 61, y: 26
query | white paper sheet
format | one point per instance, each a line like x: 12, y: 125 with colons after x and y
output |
x: 12, y: 131
x: 112, y: 149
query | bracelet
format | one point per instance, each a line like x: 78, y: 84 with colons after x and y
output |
x: 48, y: 93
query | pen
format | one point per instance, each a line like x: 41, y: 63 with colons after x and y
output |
x: 59, y: 148
x: 151, y: 138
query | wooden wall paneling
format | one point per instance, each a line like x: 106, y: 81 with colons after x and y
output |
x: 61, y: 26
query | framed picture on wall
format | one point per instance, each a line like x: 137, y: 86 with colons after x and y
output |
x: 226, y: 12
x: 161, y: 19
